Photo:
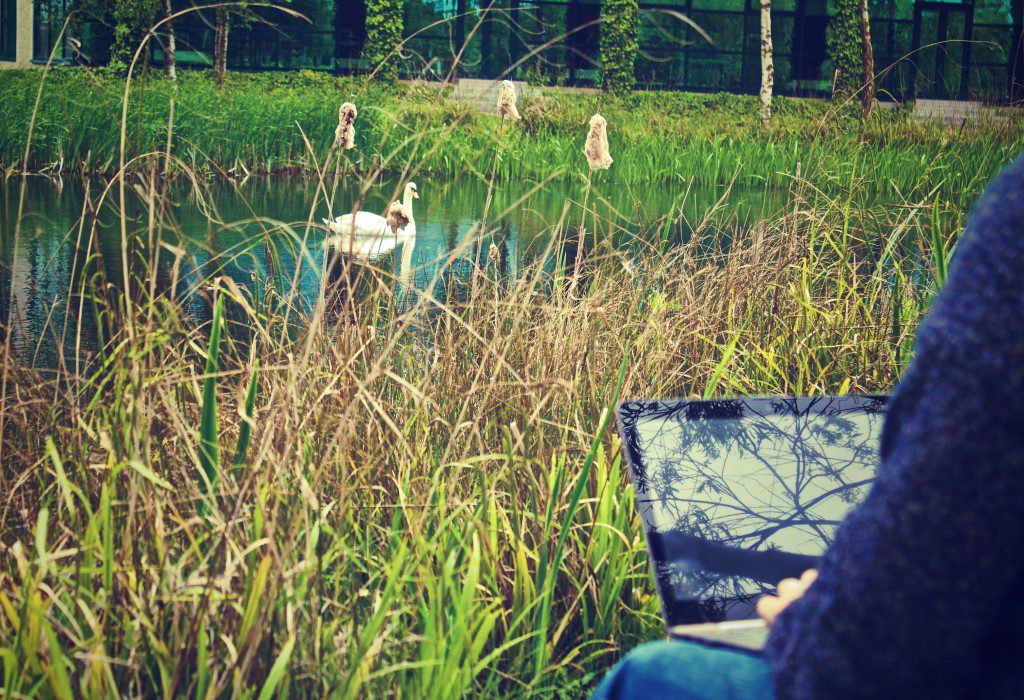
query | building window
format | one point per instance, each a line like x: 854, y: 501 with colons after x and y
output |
x: 8, y: 29
x: 47, y: 19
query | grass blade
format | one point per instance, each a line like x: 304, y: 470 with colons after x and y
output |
x: 245, y: 431
x: 209, y: 457
x: 276, y: 674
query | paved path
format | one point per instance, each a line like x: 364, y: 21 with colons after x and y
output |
x: 482, y: 95
x: 955, y: 112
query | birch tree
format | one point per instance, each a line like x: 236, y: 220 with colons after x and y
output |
x: 170, y: 60
x: 869, y: 59
x: 220, y: 45
x: 767, y: 62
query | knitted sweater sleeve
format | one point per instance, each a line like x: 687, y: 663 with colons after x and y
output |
x: 916, y: 575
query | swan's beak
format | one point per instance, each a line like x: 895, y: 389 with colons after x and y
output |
x: 415, y: 194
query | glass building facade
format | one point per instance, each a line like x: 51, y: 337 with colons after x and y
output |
x: 944, y: 49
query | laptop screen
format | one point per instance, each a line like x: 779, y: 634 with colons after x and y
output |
x: 736, y: 494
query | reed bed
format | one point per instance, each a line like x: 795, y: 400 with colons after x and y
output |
x: 424, y: 499
x: 250, y: 127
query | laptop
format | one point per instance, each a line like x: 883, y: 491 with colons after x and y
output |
x: 738, y: 494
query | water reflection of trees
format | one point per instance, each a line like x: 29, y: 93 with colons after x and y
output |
x: 737, y: 493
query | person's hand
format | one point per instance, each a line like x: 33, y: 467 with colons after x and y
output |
x: 788, y: 590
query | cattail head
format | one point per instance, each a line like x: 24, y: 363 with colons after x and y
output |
x: 345, y: 134
x: 596, y: 149
x: 397, y: 216
x: 507, y: 100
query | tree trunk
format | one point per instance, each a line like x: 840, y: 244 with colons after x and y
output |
x: 869, y: 59
x: 220, y: 46
x: 169, y: 50
x: 217, y: 29
x: 767, y: 62
x: 1016, y: 67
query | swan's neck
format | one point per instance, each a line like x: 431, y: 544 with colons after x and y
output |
x: 405, y: 265
x: 407, y: 203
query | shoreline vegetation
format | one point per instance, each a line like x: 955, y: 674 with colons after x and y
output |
x: 258, y: 123
x: 367, y: 497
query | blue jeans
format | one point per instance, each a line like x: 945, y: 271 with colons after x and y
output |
x: 687, y: 671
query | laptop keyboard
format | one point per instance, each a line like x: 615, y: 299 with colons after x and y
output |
x: 750, y: 636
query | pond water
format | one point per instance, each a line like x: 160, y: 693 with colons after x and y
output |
x: 239, y: 230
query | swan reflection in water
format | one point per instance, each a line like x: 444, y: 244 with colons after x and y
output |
x: 361, y: 239
x: 354, y: 264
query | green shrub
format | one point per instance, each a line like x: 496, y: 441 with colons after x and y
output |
x: 133, y: 19
x: 846, y: 48
x: 620, y: 23
x: 384, y: 27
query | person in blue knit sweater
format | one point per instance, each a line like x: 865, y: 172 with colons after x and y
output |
x: 922, y: 593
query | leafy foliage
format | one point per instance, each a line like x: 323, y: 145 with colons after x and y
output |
x: 620, y: 25
x: 846, y: 47
x: 384, y: 27
x: 132, y: 19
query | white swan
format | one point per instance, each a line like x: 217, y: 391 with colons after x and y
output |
x: 365, y: 223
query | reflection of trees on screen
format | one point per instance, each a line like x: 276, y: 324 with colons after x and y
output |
x: 757, y: 474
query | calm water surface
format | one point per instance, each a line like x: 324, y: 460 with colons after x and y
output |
x: 229, y: 228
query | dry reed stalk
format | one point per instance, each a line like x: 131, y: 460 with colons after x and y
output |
x: 598, y: 158
x: 507, y: 100
x: 397, y: 216
x: 345, y: 133
x: 344, y: 139
x: 507, y: 108
x: 596, y: 148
